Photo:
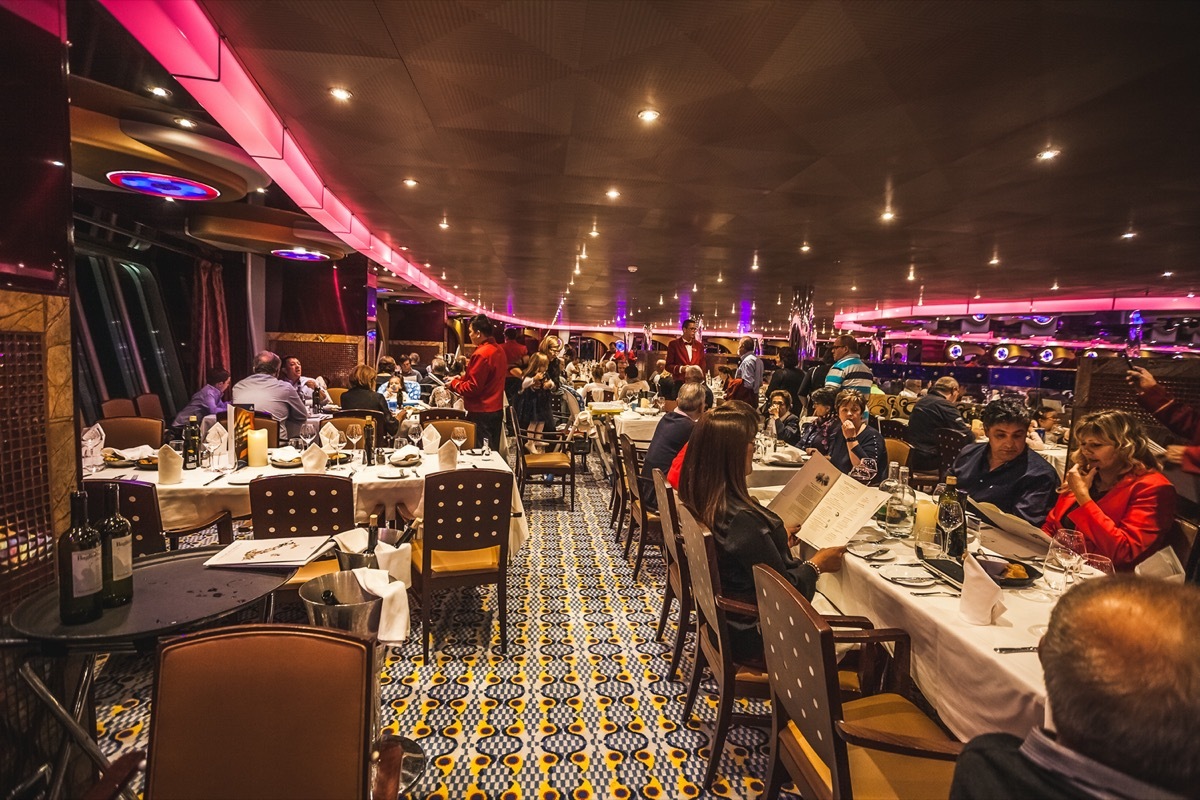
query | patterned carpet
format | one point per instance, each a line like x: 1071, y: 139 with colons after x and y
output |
x: 579, y: 708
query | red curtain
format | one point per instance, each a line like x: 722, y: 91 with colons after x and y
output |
x: 210, y: 326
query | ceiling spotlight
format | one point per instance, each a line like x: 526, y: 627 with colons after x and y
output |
x: 676, y: 296
x: 754, y: 262
x: 443, y: 224
x: 184, y: 122
x: 854, y: 287
x: 428, y: 265
x: 159, y: 91
x: 583, y: 252
x: 1129, y: 234
x: 443, y: 274
x: 804, y: 248
x: 976, y: 294
x: 1049, y: 154
x: 912, y: 272
x: 647, y: 115
x: 660, y: 299
x: 1191, y: 294
x: 409, y: 182
x: 593, y: 232
x: 572, y: 283
x: 261, y: 190
x: 888, y: 215
x: 920, y: 297
x: 1054, y: 288
x: 694, y: 289
x: 577, y: 265
x: 720, y: 278
x: 340, y: 93
x: 995, y: 257
x: 779, y: 300
x: 57, y: 163
x: 1168, y: 274
x: 612, y: 194
x: 632, y: 268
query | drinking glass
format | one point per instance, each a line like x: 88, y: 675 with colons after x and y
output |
x: 308, y: 432
x: 339, y: 443
x: 414, y: 433
x: 211, y: 448
x: 1065, y: 554
x: 949, y: 518
x: 1096, y: 566
x: 354, y: 433
x: 458, y: 435
x: 865, y: 471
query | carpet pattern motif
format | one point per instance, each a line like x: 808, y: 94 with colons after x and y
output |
x: 579, y: 708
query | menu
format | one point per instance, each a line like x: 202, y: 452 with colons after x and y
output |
x: 294, y: 551
x: 1010, y: 523
x: 829, y: 505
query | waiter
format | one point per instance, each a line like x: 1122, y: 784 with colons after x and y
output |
x: 482, y: 386
x: 685, y: 351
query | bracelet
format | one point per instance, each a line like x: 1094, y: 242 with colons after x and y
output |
x: 855, y: 439
x: 815, y: 568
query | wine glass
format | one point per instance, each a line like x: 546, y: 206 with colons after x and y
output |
x: 1063, y: 559
x: 949, y: 519
x: 1098, y: 566
x: 865, y: 471
x: 355, y: 434
x: 458, y: 435
x: 308, y: 432
x: 338, y: 440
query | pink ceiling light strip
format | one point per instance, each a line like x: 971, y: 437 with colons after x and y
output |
x: 1056, y: 306
x: 184, y: 40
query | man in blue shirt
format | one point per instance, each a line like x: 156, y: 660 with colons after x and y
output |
x: 1003, y: 471
x: 848, y: 370
x: 750, y: 368
x: 206, y: 401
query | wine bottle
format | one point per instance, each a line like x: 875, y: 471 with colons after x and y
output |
x: 80, y: 573
x: 191, y: 444
x: 956, y: 537
x: 372, y: 533
x: 116, y: 542
x: 368, y: 445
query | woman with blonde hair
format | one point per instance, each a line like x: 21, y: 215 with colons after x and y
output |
x: 712, y: 485
x: 533, y: 401
x: 1114, y: 493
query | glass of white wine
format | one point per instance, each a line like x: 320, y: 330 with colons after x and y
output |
x: 458, y: 435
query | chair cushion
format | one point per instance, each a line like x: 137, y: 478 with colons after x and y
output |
x: 543, y: 460
x: 874, y: 773
x: 313, y: 569
x: 484, y: 559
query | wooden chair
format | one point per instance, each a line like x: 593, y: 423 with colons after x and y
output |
x: 343, y: 423
x: 299, y: 709
x: 893, y: 429
x: 434, y: 414
x: 648, y: 524
x: 302, y: 505
x: 951, y: 441
x: 445, y: 427
x: 877, y: 746
x: 897, y: 451
x: 464, y: 539
x: 271, y: 426
x: 679, y: 580
x: 139, y: 504
x: 118, y: 407
x: 124, y: 432
x: 376, y: 418
x: 335, y: 395
x: 148, y: 405
x: 558, y: 464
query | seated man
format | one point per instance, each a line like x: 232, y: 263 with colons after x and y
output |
x: 669, y: 438
x: 293, y: 373
x: 1122, y: 670
x: 632, y: 384
x: 933, y: 411
x: 209, y: 400
x: 1003, y: 471
x: 279, y: 399
x: 694, y: 374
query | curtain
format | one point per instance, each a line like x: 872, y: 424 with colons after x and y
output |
x: 210, y: 326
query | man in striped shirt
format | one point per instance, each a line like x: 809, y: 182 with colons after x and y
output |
x: 848, y: 370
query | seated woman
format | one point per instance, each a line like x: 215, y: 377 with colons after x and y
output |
x: 1114, y: 495
x: 814, y: 437
x: 633, y: 384
x: 362, y: 395
x: 785, y: 424
x: 713, y: 487
x: 594, y: 391
x: 855, y: 447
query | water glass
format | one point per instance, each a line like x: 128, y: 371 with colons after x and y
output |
x: 1096, y: 566
x: 177, y: 445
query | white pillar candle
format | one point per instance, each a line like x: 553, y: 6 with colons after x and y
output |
x: 256, y: 442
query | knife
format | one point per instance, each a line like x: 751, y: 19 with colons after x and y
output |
x: 1006, y: 650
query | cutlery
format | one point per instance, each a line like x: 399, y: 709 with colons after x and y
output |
x: 870, y: 555
x: 1006, y: 650
x: 900, y: 564
x: 936, y: 593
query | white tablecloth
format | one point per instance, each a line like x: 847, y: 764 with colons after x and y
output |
x: 191, y: 502
x: 637, y: 426
x: 1057, y: 456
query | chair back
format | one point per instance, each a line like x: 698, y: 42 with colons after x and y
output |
x: 603, y: 427
x: 119, y: 407
x: 893, y: 429
x: 631, y: 468
x: 570, y: 406
x: 467, y: 510
x: 271, y: 426
x: 877, y: 406
x: 301, y: 505
x: 897, y: 451
x: 148, y: 405
x: 298, y: 704
x: 906, y: 406
x: 139, y: 505
x: 335, y: 394
x: 445, y: 427
x: 802, y: 667
x: 123, y: 432
x: 668, y: 511
x: 343, y: 423
x: 370, y: 415
x: 701, y: 553
x: 950, y: 444
x: 434, y: 414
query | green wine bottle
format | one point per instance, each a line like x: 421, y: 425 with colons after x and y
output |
x: 116, y: 540
x: 80, y: 573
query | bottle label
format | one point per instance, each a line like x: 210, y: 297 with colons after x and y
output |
x: 86, y: 576
x: 122, y: 558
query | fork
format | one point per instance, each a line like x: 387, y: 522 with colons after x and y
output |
x: 937, y: 593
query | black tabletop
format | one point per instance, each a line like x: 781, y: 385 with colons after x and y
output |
x: 171, y: 591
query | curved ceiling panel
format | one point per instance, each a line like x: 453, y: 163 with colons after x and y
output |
x: 254, y: 229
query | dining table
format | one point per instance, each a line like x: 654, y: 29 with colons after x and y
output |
x: 637, y: 425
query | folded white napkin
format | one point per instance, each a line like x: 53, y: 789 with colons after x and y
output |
x: 329, y: 436
x: 981, y: 598
x: 1163, y: 565
x: 406, y: 453
x: 93, y: 436
x: 447, y: 455
x: 314, y: 459
x: 430, y: 439
x: 396, y: 560
x: 130, y: 453
x: 784, y: 455
x: 217, y: 436
x: 393, y: 621
x: 170, y: 466
x: 287, y: 453
x: 352, y: 541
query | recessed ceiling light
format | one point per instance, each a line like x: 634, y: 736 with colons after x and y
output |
x: 1049, y: 153
x: 1054, y: 288
x: 1130, y: 234
x: 612, y: 194
x: 261, y: 190
x: 443, y: 224
x: 888, y: 215
x: 647, y: 115
x: 804, y: 248
x: 594, y: 232
x: 409, y: 182
x: 160, y: 91
x: 1168, y: 274
x: 402, y: 247
x: 340, y: 93
x: 720, y: 278
x: 632, y: 268
x: 912, y: 272
x: 184, y: 122
x: 583, y: 252
x: 995, y: 261
x: 57, y: 163
x: 754, y: 262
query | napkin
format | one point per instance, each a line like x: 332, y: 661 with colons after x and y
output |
x: 352, y: 541
x: 981, y: 597
x: 218, y: 439
x: 396, y: 560
x: 170, y: 466
x: 329, y: 436
x: 406, y: 454
x: 1163, y: 565
x: 430, y: 439
x: 785, y: 455
x: 393, y: 620
x: 130, y: 453
x: 288, y: 453
x: 314, y: 459
x: 447, y: 455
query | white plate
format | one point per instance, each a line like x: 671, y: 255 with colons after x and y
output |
x: 240, y: 479
x: 908, y: 576
x: 391, y: 474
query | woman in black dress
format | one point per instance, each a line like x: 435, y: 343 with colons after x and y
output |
x: 362, y: 395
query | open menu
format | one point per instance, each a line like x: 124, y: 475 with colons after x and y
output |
x: 294, y: 551
x: 829, y: 505
x: 1010, y: 523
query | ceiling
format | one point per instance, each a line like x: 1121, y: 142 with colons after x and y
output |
x: 781, y: 123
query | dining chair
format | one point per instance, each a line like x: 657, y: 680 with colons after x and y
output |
x: 463, y: 540
x: 678, y: 584
x: 376, y: 418
x: 148, y: 405
x: 343, y: 423
x: 877, y: 746
x: 620, y: 499
x: 125, y: 432
x: 270, y: 425
x: 445, y: 428
x: 877, y: 406
x: 118, y: 407
x: 335, y: 394
x: 302, y: 505
x: 950, y: 441
x: 434, y: 414
x: 559, y: 464
x: 897, y: 451
x: 139, y: 505
x: 906, y: 405
x: 893, y: 429
x: 298, y: 717
x: 647, y: 523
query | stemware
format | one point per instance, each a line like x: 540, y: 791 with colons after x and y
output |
x: 308, y: 432
x: 949, y: 519
x: 1098, y: 566
x: 338, y: 440
x: 458, y: 435
x: 355, y: 434
x: 1066, y: 554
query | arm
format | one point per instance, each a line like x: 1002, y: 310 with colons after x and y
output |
x: 1180, y: 419
x: 469, y: 383
x: 752, y: 540
x: 833, y: 378
x: 297, y: 408
x: 1147, y: 515
x: 1035, y: 498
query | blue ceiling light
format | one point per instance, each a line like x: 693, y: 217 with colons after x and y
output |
x: 1045, y: 355
x: 158, y: 185
x: 1001, y: 353
x: 955, y: 351
x: 300, y: 254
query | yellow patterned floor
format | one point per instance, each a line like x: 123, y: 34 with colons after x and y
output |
x: 580, y: 706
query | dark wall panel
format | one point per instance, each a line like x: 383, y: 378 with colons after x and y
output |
x: 317, y: 298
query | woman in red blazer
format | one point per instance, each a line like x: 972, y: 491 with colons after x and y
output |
x: 1114, y: 494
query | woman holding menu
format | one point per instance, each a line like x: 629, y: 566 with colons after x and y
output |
x: 713, y: 487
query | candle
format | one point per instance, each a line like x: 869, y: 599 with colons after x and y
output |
x: 926, y: 521
x: 256, y: 443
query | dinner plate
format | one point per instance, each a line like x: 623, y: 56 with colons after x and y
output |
x: 120, y: 463
x: 792, y: 464
x: 390, y: 474
x: 295, y: 462
x: 412, y: 461
x: 864, y: 550
x: 907, y: 576
x: 340, y: 458
x: 146, y: 464
x: 241, y: 479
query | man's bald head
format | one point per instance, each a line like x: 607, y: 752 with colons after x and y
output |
x: 693, y: 374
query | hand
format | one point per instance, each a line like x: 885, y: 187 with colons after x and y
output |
x: 1175, y: 453
x: 311, y: 384
x: 1080, y: 482
x: 829, y: 559
x: 792, y: 531
x: 812, y: 451
x: 848, y: 429
x: 1140, y: 377
x: 548, y: 385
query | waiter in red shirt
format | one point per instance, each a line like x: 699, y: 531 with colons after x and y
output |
x: 482, y: 385
x: 685, y: 351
